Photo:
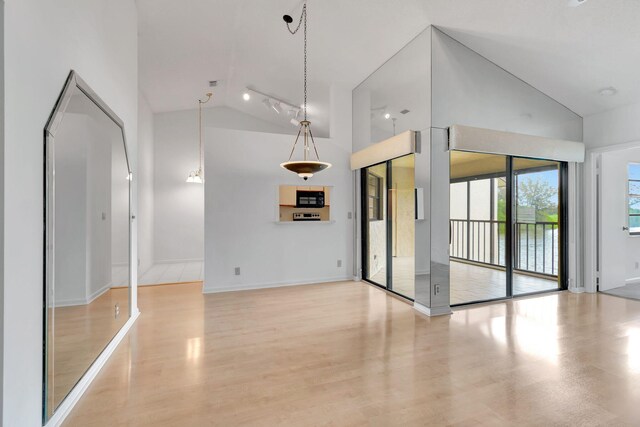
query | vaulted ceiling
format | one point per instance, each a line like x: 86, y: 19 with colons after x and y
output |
x: 570, y: 53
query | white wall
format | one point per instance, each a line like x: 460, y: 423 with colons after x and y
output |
x: 241, y: 194
x: 241, y: 209
x: 617, y: 126
x: 145, y: 182
x: 178, y: 205
x: 43, y: 41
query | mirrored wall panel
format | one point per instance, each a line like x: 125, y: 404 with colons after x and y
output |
x: 87, y: 235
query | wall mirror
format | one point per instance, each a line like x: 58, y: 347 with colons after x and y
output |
x: 87, y: 237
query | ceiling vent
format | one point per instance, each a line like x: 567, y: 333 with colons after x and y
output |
x: 576, y: 3
x: 213, y: 83
x: 405, y: 111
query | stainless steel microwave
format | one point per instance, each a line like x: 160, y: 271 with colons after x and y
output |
x: 309, y: 199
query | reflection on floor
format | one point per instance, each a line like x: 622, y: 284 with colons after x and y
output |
x: 403, y: 276
x: 477, y: 283
x: 81, y: 332
x: 349, y: 354
x: 173, y: 272
x: 627, y: 291
x: 468, y: 282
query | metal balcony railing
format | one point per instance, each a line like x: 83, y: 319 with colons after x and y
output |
x: 483, y: 241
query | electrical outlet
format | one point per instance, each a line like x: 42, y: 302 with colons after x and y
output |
x: 637, y: 265
x: 349, y: 215
x: 237, y: 271
x: 339, y: 263
x: 104, y: 216
x: 436, y: 289
x: 116, y: 311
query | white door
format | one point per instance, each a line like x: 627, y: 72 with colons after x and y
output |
x: 613, y: 221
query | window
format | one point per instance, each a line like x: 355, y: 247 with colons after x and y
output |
x: 374, y: 190
x: 633, y: 200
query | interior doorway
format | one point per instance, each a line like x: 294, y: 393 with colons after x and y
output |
x: 507, y: 226
x: 389, y: 206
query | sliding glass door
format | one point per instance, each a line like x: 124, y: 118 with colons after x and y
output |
x: 388, y: 194
x: 507, y: 221
x: 538, y: 225
x: 375, y: 226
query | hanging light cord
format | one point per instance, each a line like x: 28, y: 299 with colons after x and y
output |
x: 200, y: 102
x: 303, y: 18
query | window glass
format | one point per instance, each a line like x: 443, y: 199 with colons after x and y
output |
x: 633, y: 199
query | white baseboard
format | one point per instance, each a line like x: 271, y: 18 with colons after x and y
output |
x: 98, y: 293
x: 177, y: 261
x: 267, y: 285
x: 632, y: 281
x: 435, y: 311
x: 76, y: 393
x: 577, y: 290
x: 84, y: 301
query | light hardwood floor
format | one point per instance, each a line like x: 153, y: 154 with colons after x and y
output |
x: 349, y: 354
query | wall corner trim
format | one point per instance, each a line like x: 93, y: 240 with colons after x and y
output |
x: 432, y: 311
x: 76, y: 393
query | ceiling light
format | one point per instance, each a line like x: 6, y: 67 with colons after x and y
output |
x: 576, y: 3
x: 294, y: 122
x: 276, y: 107
x: 197, y: 176
x: 608, y: 91
x: 304, y: 168
x: 246, y: 96
x: 387, y: 116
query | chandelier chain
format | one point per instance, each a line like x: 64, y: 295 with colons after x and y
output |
x: 303, y: 19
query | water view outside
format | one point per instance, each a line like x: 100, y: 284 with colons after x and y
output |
x: 478, y: 214
x: 634, y: 197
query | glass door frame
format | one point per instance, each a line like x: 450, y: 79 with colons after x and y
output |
x: 364, y: 222
x: 510, y: 209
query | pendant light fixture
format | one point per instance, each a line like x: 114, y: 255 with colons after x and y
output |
x: 197, y: 176
x: 304, y: 168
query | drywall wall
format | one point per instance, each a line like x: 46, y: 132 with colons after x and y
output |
x: 71, y: 210
x: 178, y: 205
x: 470, y: 90
x: 617, y: 126
x: 144, y: 177
x: 43, y: 41
x: 241, y: 212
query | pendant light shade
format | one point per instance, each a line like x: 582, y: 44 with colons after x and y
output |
x: 197, y: 176
x: 306, y: 167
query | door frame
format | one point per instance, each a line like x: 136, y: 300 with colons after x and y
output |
x: 364, y: 225
x: 510, y: 219
x: 592, y: 219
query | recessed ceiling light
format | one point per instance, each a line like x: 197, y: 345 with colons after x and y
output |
x: 246, y: 96
x: 608, y: 91
x: 576, y: 3
x: 387, y: 116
